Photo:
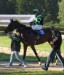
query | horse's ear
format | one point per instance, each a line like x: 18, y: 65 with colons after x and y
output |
x: 11, y: 20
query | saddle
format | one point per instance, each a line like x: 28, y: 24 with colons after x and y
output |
x: 40, y: 32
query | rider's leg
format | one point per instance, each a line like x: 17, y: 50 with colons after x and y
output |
x: 37, y: 27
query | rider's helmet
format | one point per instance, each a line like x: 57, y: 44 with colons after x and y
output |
x: 36, y: 11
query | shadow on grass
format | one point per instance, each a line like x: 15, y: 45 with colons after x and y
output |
x: 6, y: 57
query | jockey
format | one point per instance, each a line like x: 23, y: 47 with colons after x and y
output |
x: 38, y: 21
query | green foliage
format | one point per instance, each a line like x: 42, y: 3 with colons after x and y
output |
x: 61, y: 12
x: 3, y: 6
x: 20, y: 6
x: 29, y: 5
x: 8, y: 6
x: 53, y: 9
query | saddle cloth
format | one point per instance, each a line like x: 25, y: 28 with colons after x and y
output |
x: 41, y: 32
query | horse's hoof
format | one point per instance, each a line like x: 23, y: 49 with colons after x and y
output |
x: 56, y: 63
x: 39, y: 63
x: 20, y: 64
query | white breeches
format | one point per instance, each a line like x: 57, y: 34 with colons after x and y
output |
x: 36, y: 27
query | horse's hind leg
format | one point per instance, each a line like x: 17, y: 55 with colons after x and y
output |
x: 34, y: 50
x: 25, y: 49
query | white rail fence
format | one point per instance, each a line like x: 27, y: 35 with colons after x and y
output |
x: 5, y: 19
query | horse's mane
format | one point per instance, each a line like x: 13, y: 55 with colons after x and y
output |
x: 24, y: 26
x: 21, y: 25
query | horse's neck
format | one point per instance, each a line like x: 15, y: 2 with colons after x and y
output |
x: 21, y: 25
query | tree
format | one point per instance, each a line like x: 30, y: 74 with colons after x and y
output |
x: 27, y: 6
x: 61, y: 12
x: 8, y: 6
x: 11, y: 7
x: 53, y: 9
x: 49, y: 8
x: 3, y: 6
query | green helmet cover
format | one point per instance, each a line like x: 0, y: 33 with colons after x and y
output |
x: 36, y: 10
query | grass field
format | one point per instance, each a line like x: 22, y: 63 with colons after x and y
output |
x: 22, y: 72
x: 5, y: 42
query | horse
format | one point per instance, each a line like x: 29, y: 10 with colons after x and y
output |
x: 31, y: 37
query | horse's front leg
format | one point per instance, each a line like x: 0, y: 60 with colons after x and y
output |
x: 24, y: 53
x: 34, y: 50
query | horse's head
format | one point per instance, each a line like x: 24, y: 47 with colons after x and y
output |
x: 14, y: 24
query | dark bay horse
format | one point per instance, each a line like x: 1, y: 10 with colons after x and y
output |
x: 30, y: 36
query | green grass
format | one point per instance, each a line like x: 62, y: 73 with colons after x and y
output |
x: 5, y: 42
x: 9, y: 72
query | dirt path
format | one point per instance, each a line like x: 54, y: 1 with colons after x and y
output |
x: 30, y: 67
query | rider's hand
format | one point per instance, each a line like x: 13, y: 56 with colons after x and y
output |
x: 55, y: 39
